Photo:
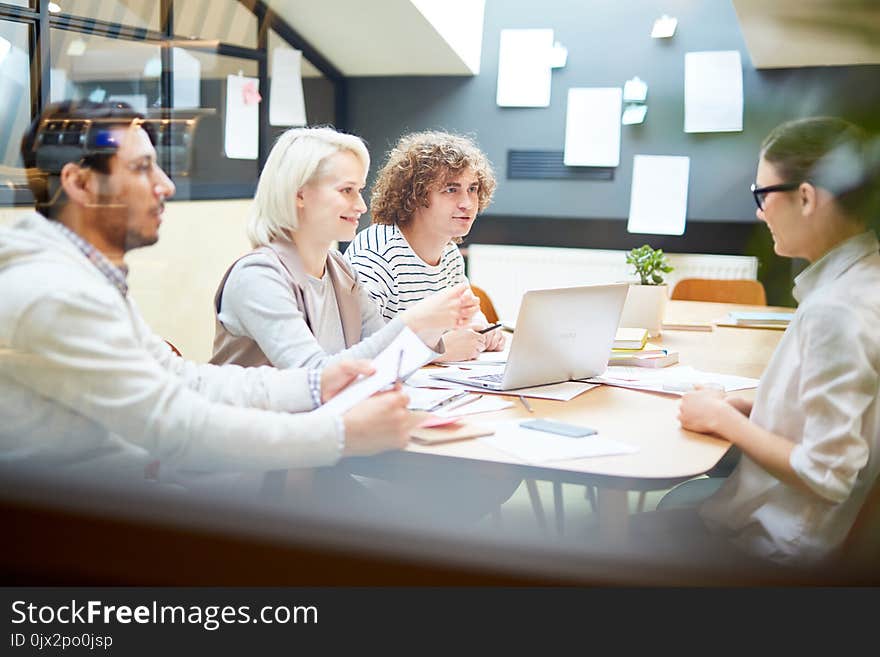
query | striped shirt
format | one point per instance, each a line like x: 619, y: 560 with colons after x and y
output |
x: 394, y: 275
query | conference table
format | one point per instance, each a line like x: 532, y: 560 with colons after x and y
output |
x: 667, y: 454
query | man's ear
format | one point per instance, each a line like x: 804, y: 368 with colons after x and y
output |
x: 75, y: 182
x: 808, y: 197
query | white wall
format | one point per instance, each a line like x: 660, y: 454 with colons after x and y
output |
x: 173, y: 282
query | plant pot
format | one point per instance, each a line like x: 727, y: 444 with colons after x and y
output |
x: 644, y: 307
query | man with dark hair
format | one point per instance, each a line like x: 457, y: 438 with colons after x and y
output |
x: 85, y: 384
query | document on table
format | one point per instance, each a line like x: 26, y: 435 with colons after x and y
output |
x: 565, y: 391
x: 671, y: 380
x: 426, y: 399
x: 487, y: 404
x: 414, y: 355
x: 542, y: 447
x: 658, y: 196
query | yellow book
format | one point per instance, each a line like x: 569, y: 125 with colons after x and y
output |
x: 630, y: 338
x: 648, y: 348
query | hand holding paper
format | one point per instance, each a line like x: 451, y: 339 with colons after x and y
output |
x: 415, y: 355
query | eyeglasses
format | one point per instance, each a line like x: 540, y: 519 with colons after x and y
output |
x: 760, y: 193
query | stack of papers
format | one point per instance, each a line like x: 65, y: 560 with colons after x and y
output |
x: 757, y: 319
x: 674, y: 380
x: 744, y: 318
x: 558, y: 391
x: 650, y: 355
x: 542, y: 447
x: 637, y: 359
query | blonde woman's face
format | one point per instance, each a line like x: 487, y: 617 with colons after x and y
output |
x: 330, y: 204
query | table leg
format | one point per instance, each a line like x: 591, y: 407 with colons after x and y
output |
x: 558, y: 508
x: 613, y: 515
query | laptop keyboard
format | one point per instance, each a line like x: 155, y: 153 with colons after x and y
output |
x: 491, y: 378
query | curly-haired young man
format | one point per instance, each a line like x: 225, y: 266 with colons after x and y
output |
x: 425, y: 199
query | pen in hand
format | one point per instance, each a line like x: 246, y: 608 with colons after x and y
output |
x: 489, y: 328
x: 397, y: 380
x: 526, y: 404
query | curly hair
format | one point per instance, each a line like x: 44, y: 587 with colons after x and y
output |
x: 420, y: 162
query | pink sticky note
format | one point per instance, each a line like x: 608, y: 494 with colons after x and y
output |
x: 249, y: 93
x: 437, y: 421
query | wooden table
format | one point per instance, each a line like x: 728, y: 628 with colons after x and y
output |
x: 667, y: 453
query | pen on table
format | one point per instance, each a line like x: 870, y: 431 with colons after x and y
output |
x: 454, y: 403
x: 489, y: 328
x: 449, y: 400
x: 526, y: 404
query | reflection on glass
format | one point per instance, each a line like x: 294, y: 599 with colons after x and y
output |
x: 88, y: 67
x: 204, y: 87
x: 15, y: 98
x: 319, y: 92
x: 133, y: 13
x: 227, y: 21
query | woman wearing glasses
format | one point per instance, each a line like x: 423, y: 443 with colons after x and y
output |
x: 810, y: 443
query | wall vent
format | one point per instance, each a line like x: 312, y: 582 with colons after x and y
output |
x: 549, y: 165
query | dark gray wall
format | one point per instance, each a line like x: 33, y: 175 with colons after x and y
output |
x: 608, y: 43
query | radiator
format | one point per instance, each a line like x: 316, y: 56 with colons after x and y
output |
x: 507, y: 272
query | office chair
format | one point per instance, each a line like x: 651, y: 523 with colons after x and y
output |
x: 736, y: 290
x: 174, y: 349
x: 486, y: 305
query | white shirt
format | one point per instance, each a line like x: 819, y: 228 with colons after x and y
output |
x: 395, y: 276
x: 820, y: 390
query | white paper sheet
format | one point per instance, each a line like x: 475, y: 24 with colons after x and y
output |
x: 57, y: 85
x: 564, y: 391
x: 558, y: 56
x: 424, y: 399
x: 415, y: 355
x: 713, y: 91
x: 633, y: 114
x: 485, y: 404
x: 286, y: 101
x: 524, y: 68
x: 658, y: 197
x: 635, y: 90
x: 664, y: 27
x: 187, y: 80
x: 242, y: 133
x: 542, y: 447
x: 592, y: 127
x: 675, y: 380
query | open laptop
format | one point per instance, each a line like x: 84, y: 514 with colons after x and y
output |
x: 561, y: 334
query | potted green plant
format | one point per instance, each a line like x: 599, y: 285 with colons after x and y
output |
x: 646, y: 300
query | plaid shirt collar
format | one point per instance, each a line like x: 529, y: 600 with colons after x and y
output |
x: 114, y: 274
